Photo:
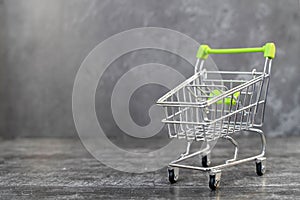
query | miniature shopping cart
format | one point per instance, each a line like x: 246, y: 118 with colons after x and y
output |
x: 217, y: 104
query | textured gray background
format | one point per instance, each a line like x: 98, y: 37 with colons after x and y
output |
x: 43, y: 42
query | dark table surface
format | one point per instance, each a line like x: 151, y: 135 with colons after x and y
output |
x: 63, y: 169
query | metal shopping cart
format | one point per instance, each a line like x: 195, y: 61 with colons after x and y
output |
x: 205, y: 108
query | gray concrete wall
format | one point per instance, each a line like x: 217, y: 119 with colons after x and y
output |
x: 43, y: 42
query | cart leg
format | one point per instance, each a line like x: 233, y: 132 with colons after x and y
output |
x: 205, y: 156
x: 188, y: 147
x: 260, y: 162
x: 236, y: 149
x: 263, y: 140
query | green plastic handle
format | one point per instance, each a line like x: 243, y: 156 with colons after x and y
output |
x: 268, y: 49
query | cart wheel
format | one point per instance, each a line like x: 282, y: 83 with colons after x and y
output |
x: 173, y: 174
x: 205, y: 161
x: 260, y: 166
x: 214, y: 180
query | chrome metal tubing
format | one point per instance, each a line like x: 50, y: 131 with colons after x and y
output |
x: 236, y: 149
x: 190, y: 155
x: 229, y: 164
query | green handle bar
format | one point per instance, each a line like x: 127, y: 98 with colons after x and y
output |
x: 268, y: 49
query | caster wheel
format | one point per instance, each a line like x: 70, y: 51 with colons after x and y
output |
x: 260, y: 166
x: 205, y: 161
x: 173, y: 174
x: 214, y: 180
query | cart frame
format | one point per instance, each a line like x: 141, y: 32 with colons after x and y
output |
x: 242, y: 99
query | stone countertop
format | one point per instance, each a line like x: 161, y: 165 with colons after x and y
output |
x: 63, y: 169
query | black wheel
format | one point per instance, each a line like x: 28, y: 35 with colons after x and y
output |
x: 205, y: 161
x: 173, y: 175
x: 213, y: 182
x: 260, y: 168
